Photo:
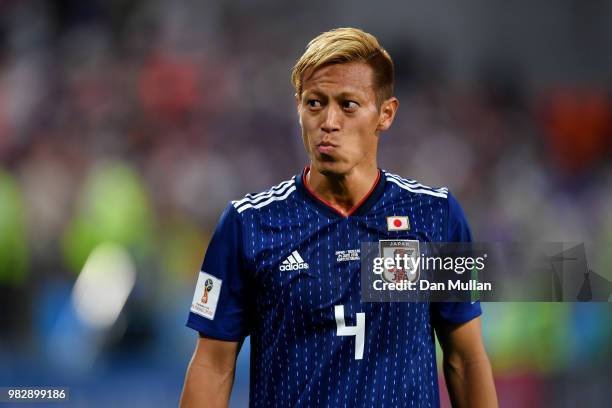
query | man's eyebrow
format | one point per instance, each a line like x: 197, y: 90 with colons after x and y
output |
x: 314, y: 92
x: 349, y: 95
x: 340, y: 96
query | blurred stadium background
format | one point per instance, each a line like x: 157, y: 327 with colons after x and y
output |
x: 126, y: 126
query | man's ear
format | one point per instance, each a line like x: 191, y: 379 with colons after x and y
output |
x: 387, y: 113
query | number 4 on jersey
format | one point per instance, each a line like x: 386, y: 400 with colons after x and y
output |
x: 358, y: 330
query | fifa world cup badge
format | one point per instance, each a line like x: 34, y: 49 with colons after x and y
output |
x: 405, y: 254
x: 208, y: 286
x: 206, y: 295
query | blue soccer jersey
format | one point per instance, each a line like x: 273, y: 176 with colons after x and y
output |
x: 284, y: 268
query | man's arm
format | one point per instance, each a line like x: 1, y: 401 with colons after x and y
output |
x: 210, y: 375
x: 466, y: 366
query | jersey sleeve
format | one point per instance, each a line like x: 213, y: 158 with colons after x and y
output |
x: 458, y: 230
x: 220, y: 303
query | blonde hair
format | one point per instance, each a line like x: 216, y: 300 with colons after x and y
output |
x: 342, y: 45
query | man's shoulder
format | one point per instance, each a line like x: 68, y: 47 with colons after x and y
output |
x: 414, y: 187
x: 255, y: 201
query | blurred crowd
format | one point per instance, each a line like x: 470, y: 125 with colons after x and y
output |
x: 135, y: 122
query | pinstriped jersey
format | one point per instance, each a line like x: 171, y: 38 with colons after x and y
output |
x: 284, y: 268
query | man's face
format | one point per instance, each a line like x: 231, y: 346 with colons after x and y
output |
x: 339, y: 117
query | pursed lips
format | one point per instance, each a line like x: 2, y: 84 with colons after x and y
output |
x: 326, y: 147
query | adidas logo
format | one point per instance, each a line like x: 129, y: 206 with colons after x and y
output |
x: 294, y: 262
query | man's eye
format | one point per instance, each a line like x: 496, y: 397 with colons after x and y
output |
x: 313, y: 103
x: 350, y: 105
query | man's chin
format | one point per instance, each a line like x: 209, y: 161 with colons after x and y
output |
x: 331, y: 168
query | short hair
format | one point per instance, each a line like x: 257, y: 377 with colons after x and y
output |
x: 343, y: 45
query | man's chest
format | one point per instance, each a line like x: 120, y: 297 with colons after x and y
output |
x: 320, y: 263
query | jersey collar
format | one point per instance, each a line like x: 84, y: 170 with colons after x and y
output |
x: 361, y: 208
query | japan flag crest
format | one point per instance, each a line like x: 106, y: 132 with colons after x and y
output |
x: 398, y: 223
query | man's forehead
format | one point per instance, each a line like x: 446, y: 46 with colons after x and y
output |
x: 357, y: 76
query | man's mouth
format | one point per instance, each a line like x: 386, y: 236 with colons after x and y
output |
x: 326, y: 147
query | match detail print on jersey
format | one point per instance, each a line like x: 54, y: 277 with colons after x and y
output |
x: 206, y: 295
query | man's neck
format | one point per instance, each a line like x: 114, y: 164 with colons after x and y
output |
x: 344, y: 192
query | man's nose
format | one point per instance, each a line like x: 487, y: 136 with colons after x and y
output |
x: 331, y: 122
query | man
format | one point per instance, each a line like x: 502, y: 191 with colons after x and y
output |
x: 283, y: 265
